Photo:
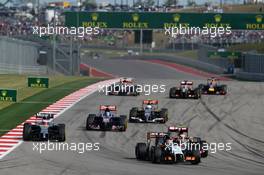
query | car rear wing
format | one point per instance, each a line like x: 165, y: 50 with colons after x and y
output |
x: 151, y: 135
x: 177, y: 129
x: 213, y: 78
x: 187, y: 83
x: 151, y: 102
x: 44, y: 115
x: 110, y: 107
x: 126, y: 80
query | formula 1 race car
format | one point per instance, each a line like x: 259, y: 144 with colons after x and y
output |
x: 148, y: 113
x: 213, y: 87
x: 165, y: 150
x: 180, y: 133
x: 124, y: 88
x: 106, y: 120
x: 44, y: 129
x: 185, y: 90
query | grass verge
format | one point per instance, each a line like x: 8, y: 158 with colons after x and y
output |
x: 16, y: 113
x: 188, y: 54
x: 19, y: 82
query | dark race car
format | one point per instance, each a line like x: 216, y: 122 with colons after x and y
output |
x: 125, y: 87
x: 213, y: 87
x: 165, y: 150
x: 106, y: 120
x: 180, y: 133
x: 185, y: 90
x: 44, y: 129
x: 148, y: 113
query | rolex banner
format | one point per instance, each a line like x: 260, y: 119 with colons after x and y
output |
x: 38, y: 82
x: 159, y: 20
x: 8, y: 95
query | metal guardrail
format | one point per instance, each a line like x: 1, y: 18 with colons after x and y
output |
x: 20, y: 69
x: 202, y: 56
x: 250, y: 76
x: 18, y: 52
x: 251, y: 67
x: 253, y: 63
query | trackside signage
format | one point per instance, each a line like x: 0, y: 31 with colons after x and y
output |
x: 160, y: 20
x: 38, y: 82
x: 8, y: 95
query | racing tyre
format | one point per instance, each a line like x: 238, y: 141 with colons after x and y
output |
x: 156, y: 155
x: 124, y: 122
x: 141, y: 151
x: 224, y: 89
x: 134, y: 91
x: 197, y: 155
x: 150, y: 153
x: 26, y: 131
x: 197, y: 94
x: 205, y: 152
x: 164, y: 115
x: 202, y: 88
x: 172, y: 92
x: 89, y: 121
x: 61, y: 132
x: 133, y: 113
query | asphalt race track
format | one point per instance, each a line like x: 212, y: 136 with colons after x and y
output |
x: 236, y: 118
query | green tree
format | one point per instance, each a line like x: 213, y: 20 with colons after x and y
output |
x: 169, y: 3
x: 191, y: 3
x: 139, y: 3
x: 89, y: 4
x: 149, y: 3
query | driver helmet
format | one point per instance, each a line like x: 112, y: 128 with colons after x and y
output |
x: 148, y: 107
x: 107, y: 112
x: 183, y: 135
x: 167, y: 139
